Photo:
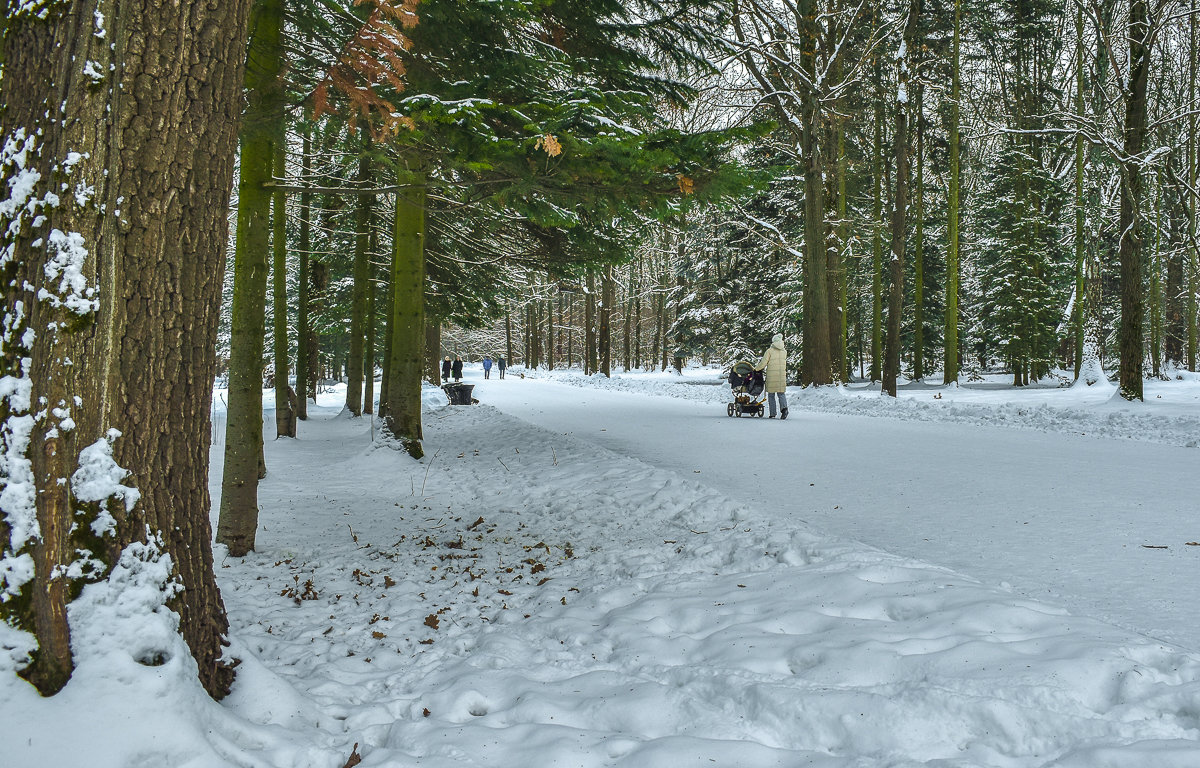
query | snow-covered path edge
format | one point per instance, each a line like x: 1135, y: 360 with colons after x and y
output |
x: 1078, y: 410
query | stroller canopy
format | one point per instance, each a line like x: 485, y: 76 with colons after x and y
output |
x: 743, y: 378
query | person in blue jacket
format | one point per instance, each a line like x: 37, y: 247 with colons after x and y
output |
x: 487, y: 366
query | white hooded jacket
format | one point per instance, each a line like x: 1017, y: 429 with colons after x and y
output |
x: 774, y: 363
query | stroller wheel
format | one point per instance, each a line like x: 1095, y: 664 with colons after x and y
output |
x: 729, y: 410
x: 738, y: 413
x: 760, y: 413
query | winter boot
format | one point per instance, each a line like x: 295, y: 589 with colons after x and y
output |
x: 783, y: 414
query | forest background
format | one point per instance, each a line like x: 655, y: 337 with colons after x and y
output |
x: 904, y: 189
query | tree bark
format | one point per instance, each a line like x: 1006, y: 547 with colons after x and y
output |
x: 1134, y: 141
x: 919, y: 238
x: 1077, y: 309
x: 608, y: 297
x: 285, y: 414
x: 591, y: 361
x: 149, y: 161
x: 816, y: 362
x: 362, y: 276
x: 408, y: 318
x: 1193, y: 279
x: 261, y: 131
x: 877, y: 228
x: 891, y: 362
x: 303, y: 362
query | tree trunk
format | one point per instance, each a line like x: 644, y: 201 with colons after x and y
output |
x: 385, y: 384
x: 891, y: 363
x: 261, y: 131
x: 1156, y: 291
x: 1193, y: 279
x: 1132, y: 303
x: 589, y: 321
x: 319, y: 289
x: 919, y: 239
x: 369, y: 342
x: 408, y: 318
x: 508, y: 337
x: 877, y: 230
x: 303, y: 362
x: 950, y: 354
x: 133, y: 337
x: 362, y: 278
x: 816, y: 362
x: 607, y: 299
x: 1077, y: 308
x: 285, y: 414
x: 433, y: 350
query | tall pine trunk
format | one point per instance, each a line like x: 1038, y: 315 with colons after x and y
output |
x: 1134, y: 142
x: 364, y: 205
x: 950, y: 355
x: 1193, y: 279
x: 816, y: 363
x: 1078, y: 309
x: 262, y: 129
x: 408, y: 318
x: 285, y: 414
x: 369, y: 341
x: 877, y: 229
x: 303, y: 362
x: 919, y: 242
x: 891, y: 360
x: 608, y: 297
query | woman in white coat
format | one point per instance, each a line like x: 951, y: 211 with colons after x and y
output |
x: 774, y: 364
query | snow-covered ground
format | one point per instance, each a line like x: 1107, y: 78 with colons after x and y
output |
x: 589, y: 572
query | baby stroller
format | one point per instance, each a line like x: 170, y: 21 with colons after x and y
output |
x: 748, y: 387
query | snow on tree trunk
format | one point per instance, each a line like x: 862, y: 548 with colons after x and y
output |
x: 118, y: 161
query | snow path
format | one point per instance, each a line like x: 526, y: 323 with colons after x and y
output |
x: 1059, y: 516
x: 678, y: 626
x: 523, y: 597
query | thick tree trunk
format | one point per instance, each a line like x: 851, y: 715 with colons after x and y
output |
x: 134, y: 340
x: 408, y: 318
x: 261, y: 131
x: 816, y: 362
x: 950, y: 355
x: 1132, y: 300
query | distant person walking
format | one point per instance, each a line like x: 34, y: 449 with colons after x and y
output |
x: 774, y: 364
x: 446, y: 369
x: 501, y: 365
x: 487, y: 366
x: 456, y: 368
